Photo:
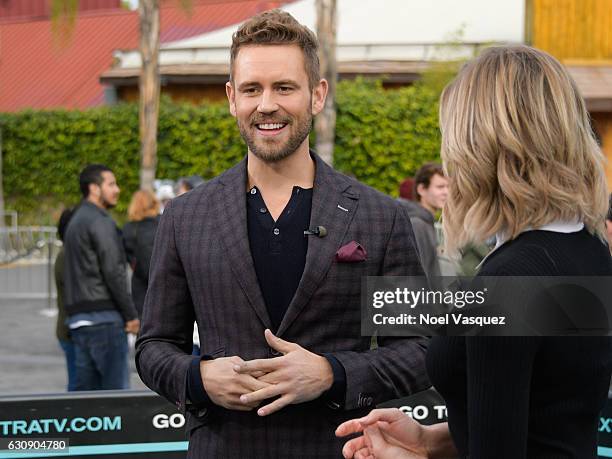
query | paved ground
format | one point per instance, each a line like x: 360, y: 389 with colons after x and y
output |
x: 30, y: 357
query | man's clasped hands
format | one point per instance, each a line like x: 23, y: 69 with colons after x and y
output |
x: 298, y: 375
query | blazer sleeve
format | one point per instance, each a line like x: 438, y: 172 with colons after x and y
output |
x: 163, y: 349
x: 396, y: 367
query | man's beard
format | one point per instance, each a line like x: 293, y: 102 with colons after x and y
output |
x: 273, y: 154
x: 107, y: 204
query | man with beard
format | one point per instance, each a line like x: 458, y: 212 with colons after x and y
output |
x: 98, y: 305
x: 268, y: 259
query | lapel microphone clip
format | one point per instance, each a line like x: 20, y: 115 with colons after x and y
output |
x: 318, y: 231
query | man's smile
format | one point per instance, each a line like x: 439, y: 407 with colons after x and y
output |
x: 270, y: 129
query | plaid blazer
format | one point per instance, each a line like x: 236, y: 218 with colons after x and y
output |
x: 202, y: 270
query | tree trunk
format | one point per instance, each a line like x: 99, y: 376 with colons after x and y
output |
x: 325, y: 122
x: 148, y: 11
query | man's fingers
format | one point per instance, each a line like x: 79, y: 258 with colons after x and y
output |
x: 271, y: 390
x: 276, y: 405
x: 259, y: 365
x: 277, y: 343
x: 252, y: 384
x: 273, y: 377
x: 352, y: 446
x: 349, y: 427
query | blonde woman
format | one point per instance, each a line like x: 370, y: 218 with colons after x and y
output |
x: 524, y: 167
x: 138, y: 237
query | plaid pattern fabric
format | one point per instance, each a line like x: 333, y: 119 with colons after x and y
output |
x: 202, y: 270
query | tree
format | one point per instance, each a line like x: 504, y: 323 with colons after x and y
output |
x: 64, y: 13
x: 148, y: 12
x: 325, y: 122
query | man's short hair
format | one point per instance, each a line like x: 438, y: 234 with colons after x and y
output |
x: 424, y: 174
x: 92, y: 174
x: 277, y: 27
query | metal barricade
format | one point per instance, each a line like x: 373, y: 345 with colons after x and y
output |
x: 27, y: 256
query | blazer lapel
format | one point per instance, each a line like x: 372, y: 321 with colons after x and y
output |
x: 333, y: 206
x: 236, y: 241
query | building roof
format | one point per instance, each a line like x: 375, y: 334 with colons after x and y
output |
x: 595, y: 85
x: 396, y: 40
x: 218, y: 73
x: 28, y: 10
x: 38, y: 71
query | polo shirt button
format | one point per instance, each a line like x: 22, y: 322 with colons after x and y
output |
x: 263, y: 210
x: 253, y: 190
x: 276, y: 231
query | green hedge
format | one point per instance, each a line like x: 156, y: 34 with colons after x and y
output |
x: 382, y: 137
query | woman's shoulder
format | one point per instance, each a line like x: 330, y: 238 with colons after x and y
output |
x: 547, y: 253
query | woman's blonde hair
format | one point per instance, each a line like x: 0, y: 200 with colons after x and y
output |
x: 518, y: 148
x: 143, y: 204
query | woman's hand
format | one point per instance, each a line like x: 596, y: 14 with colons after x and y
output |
x: 387, y: 433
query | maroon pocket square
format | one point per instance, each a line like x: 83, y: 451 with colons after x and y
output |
x: 352, y: 252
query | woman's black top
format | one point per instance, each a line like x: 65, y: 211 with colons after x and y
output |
x: 528, y: 397
x: 138, y: 238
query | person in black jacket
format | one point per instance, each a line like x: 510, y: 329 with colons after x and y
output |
x: 61, y: 329
x: 98, y: 305
x: 523, y: 166
x: 138, y: 238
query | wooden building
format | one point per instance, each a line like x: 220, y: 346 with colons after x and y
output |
x: 579, y: 33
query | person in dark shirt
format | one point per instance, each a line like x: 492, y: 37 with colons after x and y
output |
x: 524, y: 166
x: 138, y: 237
x: 61, y: 329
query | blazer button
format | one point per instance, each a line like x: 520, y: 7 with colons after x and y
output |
x: 274, y: 352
